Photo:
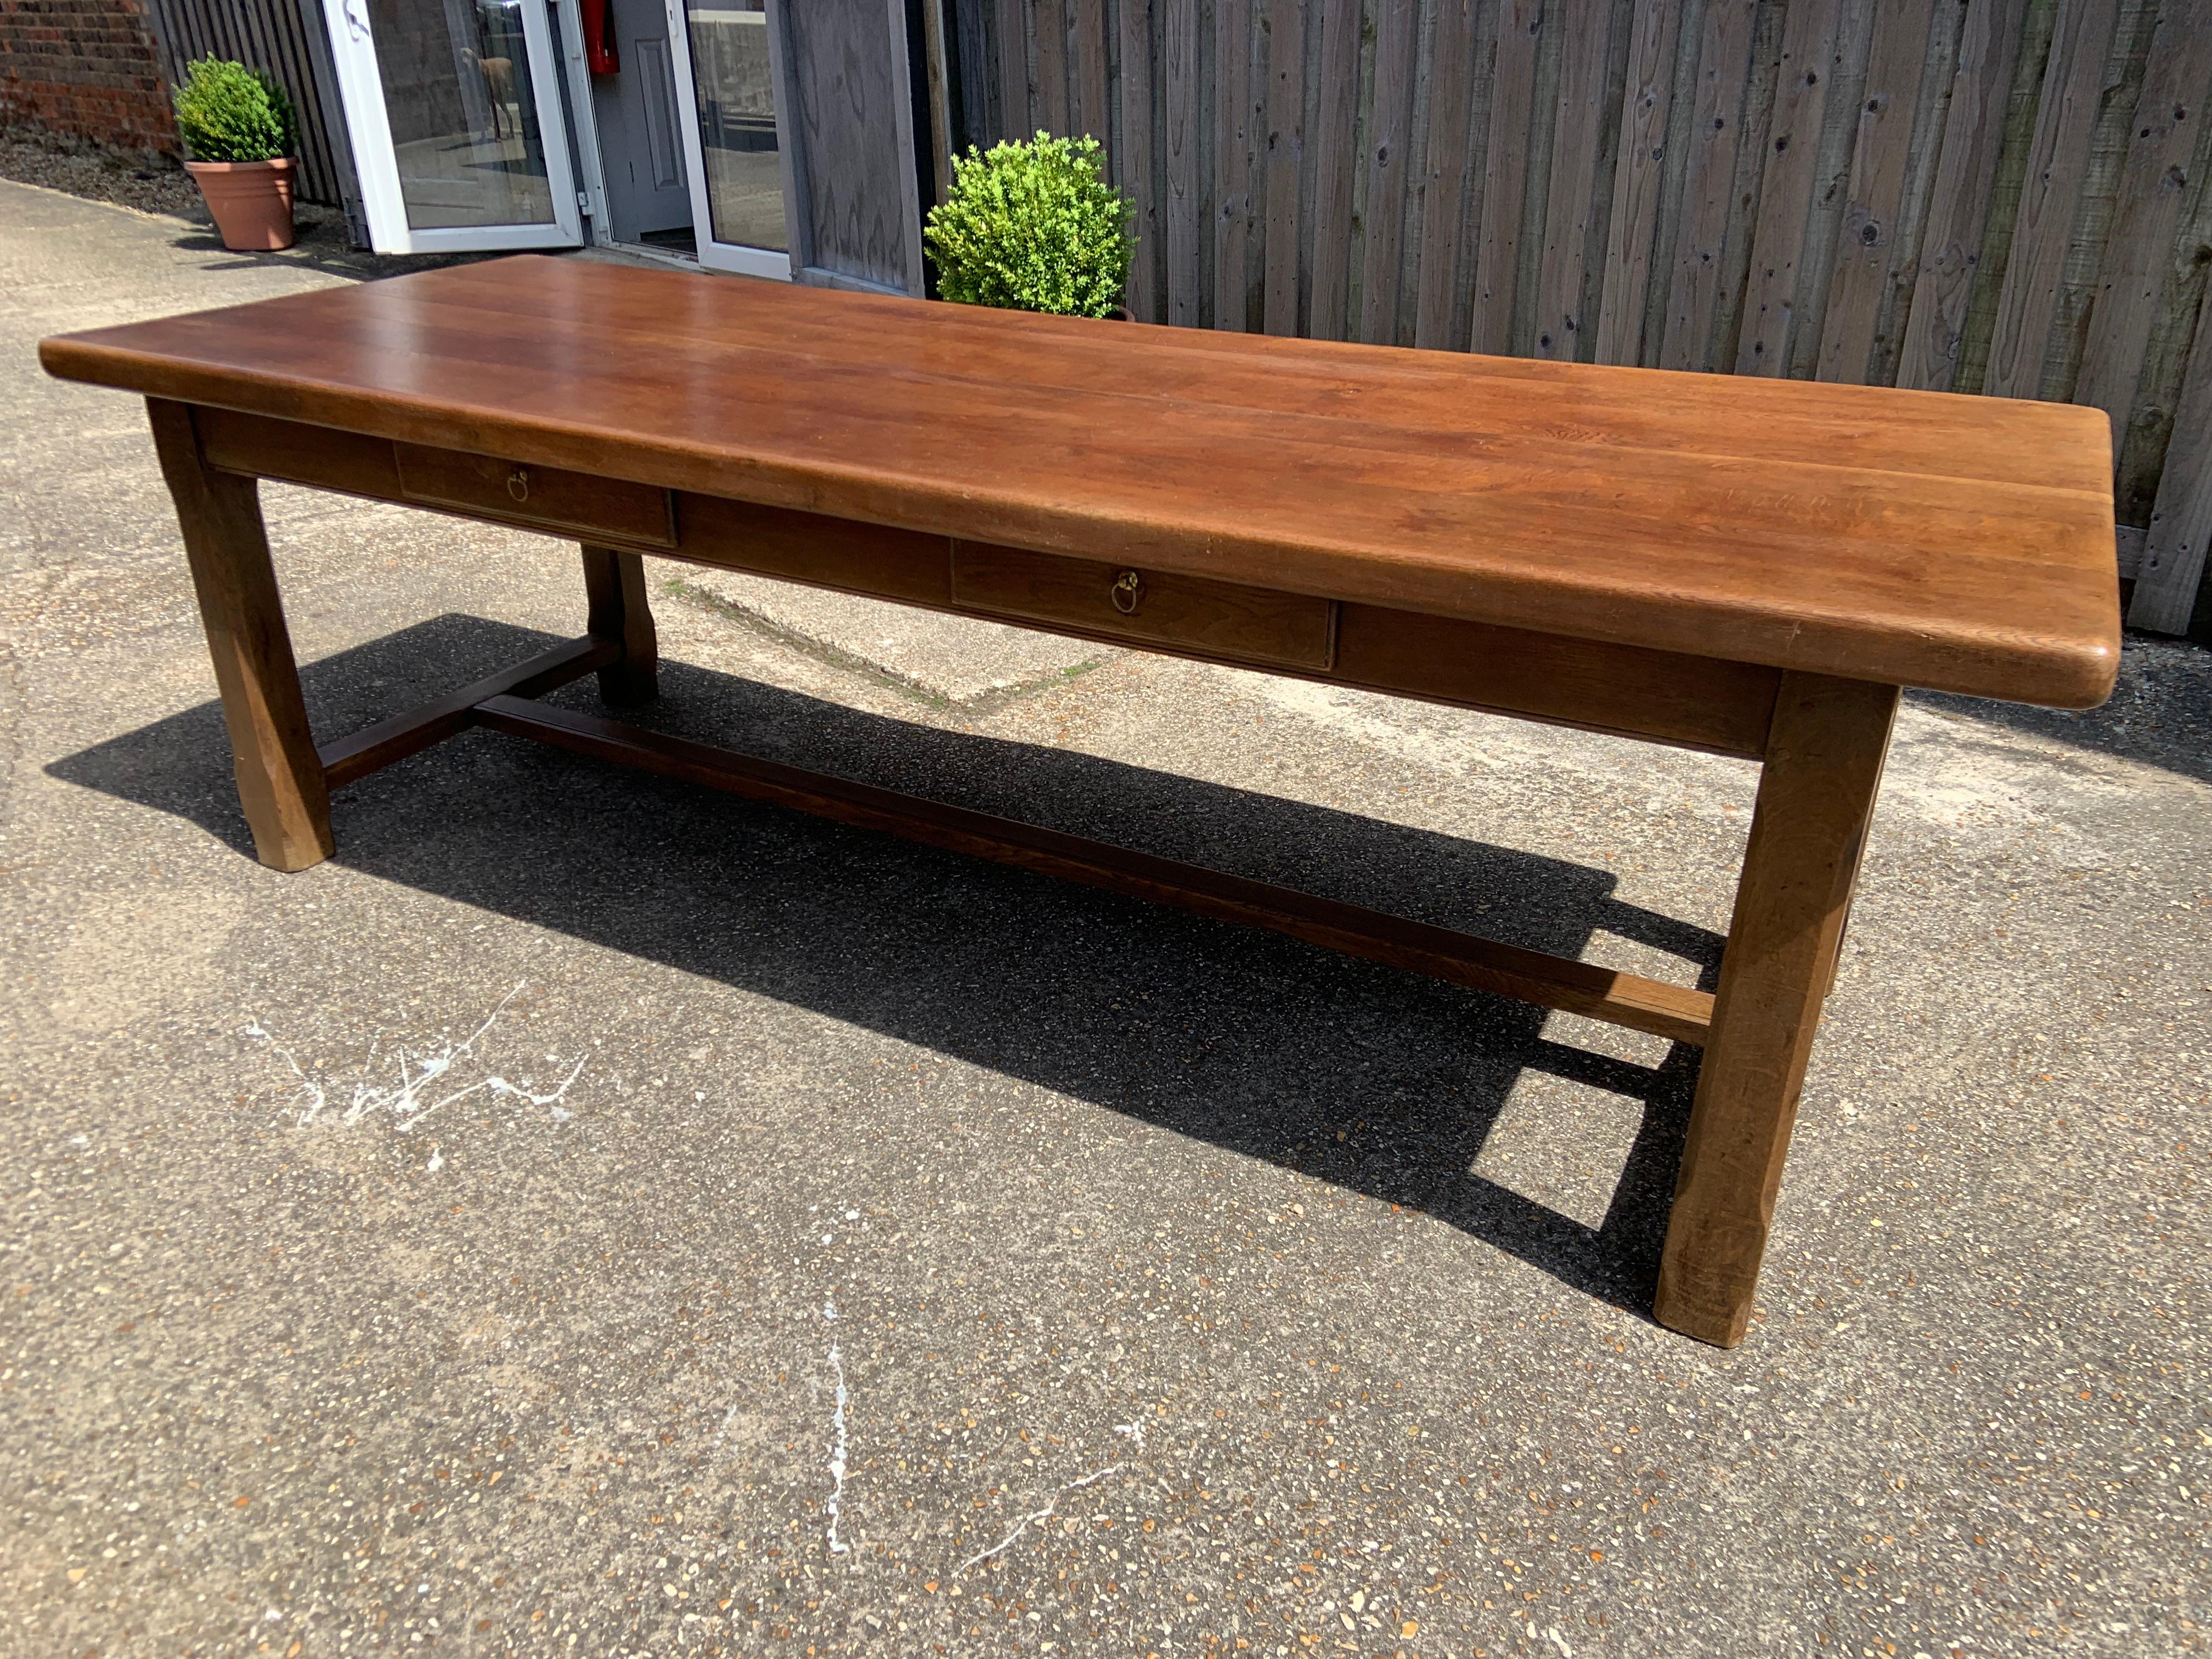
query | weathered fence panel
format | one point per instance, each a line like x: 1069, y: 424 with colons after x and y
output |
x: 2002, y: 196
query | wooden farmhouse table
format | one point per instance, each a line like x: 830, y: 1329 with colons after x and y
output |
x: 1747, y: 567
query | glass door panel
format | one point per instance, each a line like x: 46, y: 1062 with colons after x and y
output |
x: 728, y: 56
x: 442, y: 103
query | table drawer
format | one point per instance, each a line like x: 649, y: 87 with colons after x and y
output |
x: 1191, y: 613
x: 543, y: 497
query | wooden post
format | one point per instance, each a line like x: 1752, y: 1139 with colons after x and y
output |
x: 280, y: 780
x: 1824, y: 759
x: 614, y: 588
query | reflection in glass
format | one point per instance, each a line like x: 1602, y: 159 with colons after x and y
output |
x: 464, y: 121
x: 737, y: 120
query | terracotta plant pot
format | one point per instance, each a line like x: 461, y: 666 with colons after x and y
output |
x: 252, y: 202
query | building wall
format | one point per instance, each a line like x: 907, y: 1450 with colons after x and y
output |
x: 88, y: 68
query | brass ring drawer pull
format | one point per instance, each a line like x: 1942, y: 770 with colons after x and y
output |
x: 1128, y: 588
x: 517, y: 483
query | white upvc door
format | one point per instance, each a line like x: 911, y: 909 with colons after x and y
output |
x: 454, y: 110
x: 730, y: 77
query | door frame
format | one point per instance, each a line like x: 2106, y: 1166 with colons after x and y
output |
x: 376, y: 162
x: 583, y: 121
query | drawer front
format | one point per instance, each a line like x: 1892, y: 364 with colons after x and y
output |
x: 541, y: 497
x: 1120, y: 602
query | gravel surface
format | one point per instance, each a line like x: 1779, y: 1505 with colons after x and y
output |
x: 145, y: 182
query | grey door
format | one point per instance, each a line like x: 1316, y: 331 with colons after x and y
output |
x: 641, y: 144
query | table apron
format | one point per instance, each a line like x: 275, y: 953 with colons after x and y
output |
x: 1703, y: 703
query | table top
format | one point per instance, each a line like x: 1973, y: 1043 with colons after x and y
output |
x: 1959, y: 544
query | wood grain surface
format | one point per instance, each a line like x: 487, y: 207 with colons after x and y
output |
x: 1913, y: 538
x: 1816, y: 796
x: 280, y: 779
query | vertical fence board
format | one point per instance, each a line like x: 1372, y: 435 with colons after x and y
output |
x: 1417, y: 149
x: 1758, y: 120
x: 1362, y: 137
x: 2143, y: 450
x: 2029, y: 299
x: 1388, y: 139
x: 1444, y: 169
x: 1091, y: 114
x: 1135, y: 158
x: 1585, y: 65
x: 2153, y: 183
x: 1831, y: 172
x: 1724, y: 69
x: 1014, y: 69
x: 1620, y: 31
x: 1256, y: 56
x: 981, y: 122
x: 1474, y: 177
x: 2022, y: 104
x: 1049, y: 105
x: 1536, y: 189
x: 1674, y: 181
x: 2098, y: 200
x: 2173, y: 566
x: 1286, y: 91
x: 1638, y: 179
x: 1937, y: 80
x: 1886, y: 106
x: 1232, y: 157
x: 1964, y: 193
x: 1179, y: 160
x: 1336, y: 143
x: 1808, y: 42
x: 1505, y: 173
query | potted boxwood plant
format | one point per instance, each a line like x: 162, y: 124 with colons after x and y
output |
x: 1033, y: 226
x: 239, y: 132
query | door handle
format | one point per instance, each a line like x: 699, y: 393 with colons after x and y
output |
x: 355, y: 23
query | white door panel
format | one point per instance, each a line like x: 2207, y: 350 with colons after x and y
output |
x: 454, y: 110
x: 729, y: 74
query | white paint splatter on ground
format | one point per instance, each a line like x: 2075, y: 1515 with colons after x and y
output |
x: 424, y: 1085
x: 313, y: 1091
x: 840, y: 1445
x: 1037, y: 1517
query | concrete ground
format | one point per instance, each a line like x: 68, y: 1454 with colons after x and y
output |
x: 593, y: 1216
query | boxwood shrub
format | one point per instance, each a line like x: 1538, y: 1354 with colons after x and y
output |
x: 228, y: 113
x: 1032, y: 227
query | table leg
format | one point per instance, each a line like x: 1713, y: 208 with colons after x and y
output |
x: 1824, y: 759
x: 280, y: 779
x: 614, y: 588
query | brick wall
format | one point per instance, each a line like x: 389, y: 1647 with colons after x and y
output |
x: 87, y: 68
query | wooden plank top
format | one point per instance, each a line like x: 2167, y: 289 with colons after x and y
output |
x: 1959, y: 544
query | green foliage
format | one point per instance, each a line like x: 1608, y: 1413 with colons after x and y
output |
x: 228, y: 113
x: 1033, y: 226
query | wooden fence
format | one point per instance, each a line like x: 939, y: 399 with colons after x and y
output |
x: 2005, y: 197
x: 286, y: 38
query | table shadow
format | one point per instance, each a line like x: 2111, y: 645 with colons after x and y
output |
x: 1255, y: 1043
